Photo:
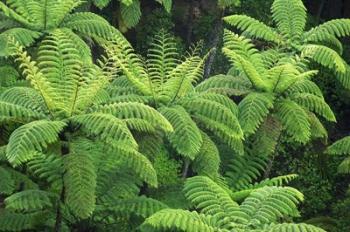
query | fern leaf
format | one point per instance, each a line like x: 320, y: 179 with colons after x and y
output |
x: 7, y: 184
x: 341, y: 147
x: 101, y: 3
x: 131, y: 13
x: 10, y: 221
x: 18, y: 113
x: 186, y: 137
x: 294, y: 120
x: 253, y: 27
x: 290, y: 17
x: 253, y: 110
x: 268, y: 204
x: 31, y: 138
x: 336, y: 27
x: 294, y: 227
x: 314, y: 104
x: 28, y: 200
x: 79, y: 183
x: 317, y: 128
x: 304, y: 86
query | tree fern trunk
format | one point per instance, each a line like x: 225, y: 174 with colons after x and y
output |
x: 58, y: 223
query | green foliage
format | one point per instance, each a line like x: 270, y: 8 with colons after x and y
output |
x: 320, y: 44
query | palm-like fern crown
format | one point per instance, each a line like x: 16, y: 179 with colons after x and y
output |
x: 29, y: 20
x: 320, y: 44
x: 167, y: 83
x: 70, y: 137
x: 278, y: 92
x: 262, y: 210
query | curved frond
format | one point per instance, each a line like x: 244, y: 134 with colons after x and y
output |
x: 130, y: 13
x: 294, y: 227
x: 253, y: 27
x: 17, y: 113
x: 340, y: 147
x: 186, y: 137
x: 252, y: 111
x: 7, y: 184
x: 31, y: 138
x: 336, y: 27
x: 28, y: 200
x: 10, y: 221
x: 290, y: 17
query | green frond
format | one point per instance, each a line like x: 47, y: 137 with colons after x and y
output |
x: 218, y: 119
x: 131, y: 13
x: 252, y: 111
x: 253, y: 27
x: 25, y: 97
x: 207, y: 161
x: 106, y: 127
x: 20, y: 17
x: 294, y: 227
x: 324, y: 56
x: 167, y: 4
x: 79, y: 184
x: 186, y: 137
x: 266, y: 137
x: 7, y: 184
x: 340, y: 147
x: 344, y: 166
x: 212, y: 199
x: 317, y: 128
x: 140, y: 206
x: 28, y: 201
x: 243, y: 170
x: 335, y: 27
x: 178, y: 220
x: 31, y: 138
x: 325, y: 39
x: 280, y: 77
x: 134, y: 110
x: 268, y: 204
x: 47, y: 167
x: 243, y: 48
x: 314, y: 104
x: 101, y: 3
x: 225, y: 84
x: 294, y: 120
x: 290, y: 17
x: 21, y: 180
x: 54, y: 13
x: 89, y: 24
x: 17, y: 113
x: 221, y: 99
x: 10, y: 221
x: 162, y: 58
x: 304, y: 86
x: 344, y: 78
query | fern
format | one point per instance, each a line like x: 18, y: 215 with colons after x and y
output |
x: 10, y: 221
x: 7, y: 185
x: 341, y: 147
x: 28, y: 200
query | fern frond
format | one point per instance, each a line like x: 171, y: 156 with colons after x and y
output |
x: 10, y: 221
x: 79, y: 183
x: 186, y: 137
x: 253, y: 110
x: 225, y: 84
x: 324, y: 56
x: 28, y: 201
x: 253, y: 27
x: 162, y: 58
x: 290, y: 17
x: 294, y: 227
x: 207, y: 161
x: 130, y: 13
x: 294, y: 120
x: 304, y: 86
x: 22, y: 36
x: 17, y: 113
x: 7, y: 184
x: 30, y: 138
x: 221, y: 99
x: 317, y: 128
x: 133, y: 110
x: 268, y: 204
x: 175, y: 219
x: 340, y: 147
x: 211, y: 199
x: 314, y: 104
x: 335, y: 27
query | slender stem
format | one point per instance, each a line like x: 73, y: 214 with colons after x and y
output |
x: 185, y: 168
x: 59, y: 217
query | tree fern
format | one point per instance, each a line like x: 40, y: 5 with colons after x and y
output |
x: 28, y: 200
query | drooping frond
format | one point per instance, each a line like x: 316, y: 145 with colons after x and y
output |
x: 22, y: 36
x: 243, y: 170
x: 221, y: 99
x: 130, y: 13
x: 294, y: 120
x: 79, y: 184
x: 28, y: 200
x: 266, y: 137
x: 162, y: 58
x: 340, y: 147
x: 134, y: 110
x: 314, y: 104
x: 211, y: 199
x: 304, y: 86
x: 225, y: 84
x: 290, y: 17
x: 175, y: 219
x: 335, y: 27
x: 17, y: 113
x: 253, y: 110
x: 139, y: 206
x: 253, y: 27
x: 186, y: 137
x: 316, y: 127
x: 10, y: 221
x: 268, y: 204
x: 207, y: 161
x: 7, y: 184
x: 31, y: 138
x: 324, y: 56
x: 89, y: 24
x: 294, y: 227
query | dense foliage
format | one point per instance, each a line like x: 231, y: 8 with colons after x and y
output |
x: 152, y: 130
